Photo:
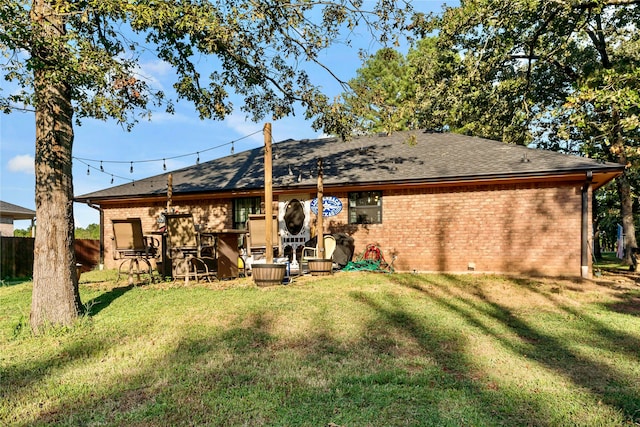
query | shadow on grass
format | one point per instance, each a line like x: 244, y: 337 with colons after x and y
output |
x: 14, y: 281
x: 97, y: 304
x: 601, y: 334
x: 603, y: 380
x: 629, y: 304
x: 408, y: 366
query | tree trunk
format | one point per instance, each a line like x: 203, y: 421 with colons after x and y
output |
x: 626, y: 211
x: 597, y: 248
x: 55, y: 299
x: 624, y: 192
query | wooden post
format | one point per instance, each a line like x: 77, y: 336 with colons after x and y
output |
x: 320, y: 216
x: 169, y: 191
x: 268, y: 194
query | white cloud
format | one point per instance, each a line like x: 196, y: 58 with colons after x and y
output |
x: 157, y: 67
x: 152, y: 72
x: 239, y: 123
x: 23, y: 163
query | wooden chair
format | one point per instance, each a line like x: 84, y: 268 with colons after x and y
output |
x: 184, y: 250
x: 133, y: 247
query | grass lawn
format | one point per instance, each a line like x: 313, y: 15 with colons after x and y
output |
x: 353, y: 349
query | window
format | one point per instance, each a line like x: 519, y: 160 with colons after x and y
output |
x: 242, y: 208
x: 365, y: 207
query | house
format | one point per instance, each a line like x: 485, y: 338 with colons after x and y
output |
x: 435, y: 201
x: 10, y: 213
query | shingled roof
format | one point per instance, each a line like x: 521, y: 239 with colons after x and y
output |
x: 16, y: 212
x: 402, y: 157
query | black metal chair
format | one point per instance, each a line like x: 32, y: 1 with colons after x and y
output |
x: 133, y: 247
x: 184, y: 250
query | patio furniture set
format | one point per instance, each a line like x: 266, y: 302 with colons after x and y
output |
x: 183, y: 251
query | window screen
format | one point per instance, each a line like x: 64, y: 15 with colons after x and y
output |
x: 365, y: 207
x: 242, y: 208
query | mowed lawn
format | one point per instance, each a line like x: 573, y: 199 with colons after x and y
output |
x: 353, y: 349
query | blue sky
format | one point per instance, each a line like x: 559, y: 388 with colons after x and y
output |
x: 165, y: 136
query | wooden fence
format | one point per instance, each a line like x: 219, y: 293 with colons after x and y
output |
x: 16, y: 256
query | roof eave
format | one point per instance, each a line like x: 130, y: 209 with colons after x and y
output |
x: 600, y: 177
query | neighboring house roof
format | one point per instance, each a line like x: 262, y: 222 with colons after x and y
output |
x: 402, y: 157
x: 16, y: 212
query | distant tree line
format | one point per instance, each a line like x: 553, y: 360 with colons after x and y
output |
x: 92, y: 232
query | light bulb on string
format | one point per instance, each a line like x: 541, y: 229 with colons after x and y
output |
x: 101, y: 168
x: 131, y: 168
x: 164, y: 164
x: 112, y: 179
x: 88, y: 171
x: 198, y: 158
x: 232, y: 149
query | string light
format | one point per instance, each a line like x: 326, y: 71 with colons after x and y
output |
x: 164, y: 159
x: 170, y: 158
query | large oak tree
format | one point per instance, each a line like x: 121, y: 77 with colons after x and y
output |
x: 569, y: 68
x: 75, y: 59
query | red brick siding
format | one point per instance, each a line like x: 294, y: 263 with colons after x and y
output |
x: 533, y: 228
x: 526, y: 228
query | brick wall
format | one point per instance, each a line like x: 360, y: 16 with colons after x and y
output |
x: 532, y: 228
x: 6, y: 226
x: 525, y: 228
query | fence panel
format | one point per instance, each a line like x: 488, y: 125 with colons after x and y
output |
x: 87, y: 253
x: 16, y: 256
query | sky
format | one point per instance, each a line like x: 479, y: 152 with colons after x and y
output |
x: 164, y: 137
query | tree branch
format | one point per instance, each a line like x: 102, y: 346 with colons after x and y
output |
x: 599, y: 41
x: 592, y: 4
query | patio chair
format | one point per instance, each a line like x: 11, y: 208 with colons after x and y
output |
x: 184, y: 251
x: 133, y: 247
x: 312, y: 251
x: 256, y: 242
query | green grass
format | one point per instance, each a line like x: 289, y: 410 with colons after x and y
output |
x: 354, y: 349
x: 609, y: 261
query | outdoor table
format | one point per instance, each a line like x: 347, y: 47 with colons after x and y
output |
x: 227, y: 252
x: 165, y: 265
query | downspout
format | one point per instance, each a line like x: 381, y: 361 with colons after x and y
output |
x: 584, y: 255
x: 99, y: 209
